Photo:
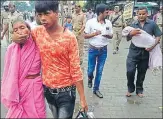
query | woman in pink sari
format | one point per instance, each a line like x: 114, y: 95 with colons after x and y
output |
x: 21, y: 90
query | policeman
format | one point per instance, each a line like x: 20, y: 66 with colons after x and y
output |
x: 117, y: 22
x: 4, y: 19
x: 11, y: 17
x: 78, y: 22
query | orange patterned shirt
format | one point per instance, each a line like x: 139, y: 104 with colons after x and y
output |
x: 59, y: 57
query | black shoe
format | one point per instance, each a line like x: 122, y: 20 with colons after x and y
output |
x: 117, y: 49
x: 114, y: 52
x: 98, y: 94
x: 89, y: 83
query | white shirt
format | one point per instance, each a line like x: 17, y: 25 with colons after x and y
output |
x: 92, y: 26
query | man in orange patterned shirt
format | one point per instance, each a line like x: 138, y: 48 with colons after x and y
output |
x: 59, y: 52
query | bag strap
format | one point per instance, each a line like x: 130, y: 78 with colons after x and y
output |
x: 115, y: 19
x: 84, y: 114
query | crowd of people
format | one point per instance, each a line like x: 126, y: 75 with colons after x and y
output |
x: 44, y: 59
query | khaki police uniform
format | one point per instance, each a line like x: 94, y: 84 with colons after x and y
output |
x: 117, y: 30
x: 78, y: 20
x: 13, y: 17
x: 4, y: 21
x: 160, y: 25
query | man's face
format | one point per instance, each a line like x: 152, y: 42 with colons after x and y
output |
x: 48, y: 19
x: 12, y: 8
x: 105, y: 14
x: 116, y: 10
x: 142, y: 15
x: 77, y: 8
x: 90, y: 11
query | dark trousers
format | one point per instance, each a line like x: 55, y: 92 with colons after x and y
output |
x: 137, y: 59
x: 61, y: 104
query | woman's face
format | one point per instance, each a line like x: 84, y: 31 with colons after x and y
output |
x: 21, y: 29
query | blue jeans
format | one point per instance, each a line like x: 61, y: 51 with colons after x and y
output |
x: 99, y: 56
x: 61, y: 104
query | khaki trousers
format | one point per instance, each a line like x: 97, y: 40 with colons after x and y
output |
x: 80, y: 40
x: 117, y: 36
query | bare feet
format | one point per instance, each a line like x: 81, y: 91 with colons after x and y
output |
x: 128, y: 94
x: 140, y: 95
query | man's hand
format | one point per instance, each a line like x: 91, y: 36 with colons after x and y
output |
x: 84, y: 105
x: 17, y: 38
x: 135, y: 32
x: 108, y: 36
x: 79, y: 33
x: 157, y: 41
x: 97, y: 33
x: 149, y: 49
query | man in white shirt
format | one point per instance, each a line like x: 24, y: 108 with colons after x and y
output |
x: 90, y: 15
x: 98, y: 31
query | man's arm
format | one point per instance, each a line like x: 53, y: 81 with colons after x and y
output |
x: 83, y: 25
x: 157, y: 42
x: 87, y: 36
x: 76, y: 72
x: 4, y: 30
x: 157, y: 34
x: 133, y: 33
x: 87, y: 31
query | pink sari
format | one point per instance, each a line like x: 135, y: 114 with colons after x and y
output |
x: 23, y: 97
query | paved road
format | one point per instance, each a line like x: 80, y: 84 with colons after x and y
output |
x: 113, y: 86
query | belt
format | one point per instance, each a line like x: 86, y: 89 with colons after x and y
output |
x: 98, y: 48
x: 58, y: 90
x: 117, y: 26
x: 76, y: 30
x: 33, y: 76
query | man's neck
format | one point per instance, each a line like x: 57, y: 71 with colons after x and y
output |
x: 78, y: 12
x: 101, y: 20
x: 116, y: 12
x: 54, y: 29
x: 12, y: 13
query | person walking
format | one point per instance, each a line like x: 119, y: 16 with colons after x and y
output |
x: 11, y: 17
x: 22, y: 91
x: 138, y: 58
x: 118, y: 22
x: 61, y: 72
x: 98, y: 31
x: 78, y: 23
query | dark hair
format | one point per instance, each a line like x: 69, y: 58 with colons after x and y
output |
x: 44, y: 6
x: 100, y: 8
x: 143, y: 8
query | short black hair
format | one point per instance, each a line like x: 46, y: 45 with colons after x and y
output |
x: 100, y: 8
x: 44, y: 6
x: 143, y: 8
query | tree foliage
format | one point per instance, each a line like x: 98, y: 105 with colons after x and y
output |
x: 91, y: 4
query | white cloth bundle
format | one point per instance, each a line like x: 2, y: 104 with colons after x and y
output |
x: 145, y: 40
